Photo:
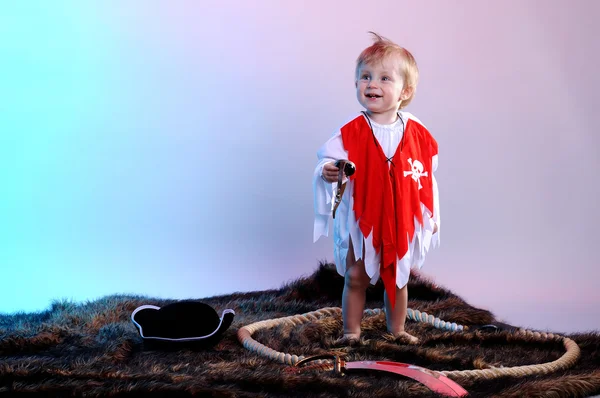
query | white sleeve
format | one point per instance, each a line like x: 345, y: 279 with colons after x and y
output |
x: 331, y: 151
x: 435, y: 239
x: 426, y: 238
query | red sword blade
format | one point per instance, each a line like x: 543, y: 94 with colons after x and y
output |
x: 433, y: 380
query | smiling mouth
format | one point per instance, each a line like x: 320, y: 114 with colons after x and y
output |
x: 372, y: 96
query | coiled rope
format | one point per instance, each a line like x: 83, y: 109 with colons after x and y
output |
x: 567, y: 360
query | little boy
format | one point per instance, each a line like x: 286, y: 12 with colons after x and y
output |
x: 388, y: 216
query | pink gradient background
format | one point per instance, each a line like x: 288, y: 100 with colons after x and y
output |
x: 188, y: 170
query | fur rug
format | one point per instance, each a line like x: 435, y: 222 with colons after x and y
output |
x: 94, y: 350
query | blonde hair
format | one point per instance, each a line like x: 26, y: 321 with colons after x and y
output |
x: 384, y: 48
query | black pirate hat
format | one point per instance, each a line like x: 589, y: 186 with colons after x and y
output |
x: 179, y: 325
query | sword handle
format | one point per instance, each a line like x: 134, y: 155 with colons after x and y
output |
x: 347, y: 166
x: 339, y: 365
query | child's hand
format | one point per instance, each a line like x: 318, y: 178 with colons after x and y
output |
x: 330, y: 172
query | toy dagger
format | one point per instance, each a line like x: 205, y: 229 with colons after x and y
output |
x: 345, y: 167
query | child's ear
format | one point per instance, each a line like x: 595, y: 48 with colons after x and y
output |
x: 406, y: 93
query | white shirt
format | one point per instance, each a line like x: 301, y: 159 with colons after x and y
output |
x: 345, y: 225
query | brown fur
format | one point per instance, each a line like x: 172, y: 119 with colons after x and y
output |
x: 94, y: 350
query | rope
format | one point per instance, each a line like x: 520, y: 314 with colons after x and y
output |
x: 567, y: 360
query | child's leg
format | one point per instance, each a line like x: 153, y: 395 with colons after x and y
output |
x: 356, y: 282
x: 397, y: 316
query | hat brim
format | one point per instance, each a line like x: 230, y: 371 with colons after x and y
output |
x: 184, y: 315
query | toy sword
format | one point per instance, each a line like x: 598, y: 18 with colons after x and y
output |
x: 435, y: 381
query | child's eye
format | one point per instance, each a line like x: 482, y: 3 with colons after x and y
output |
x: 385, y: 78
x: 364, y: 77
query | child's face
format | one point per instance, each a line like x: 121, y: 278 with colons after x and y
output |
x: 380, y: 87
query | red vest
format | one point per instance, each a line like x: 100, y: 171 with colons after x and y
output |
x: 387, y: 195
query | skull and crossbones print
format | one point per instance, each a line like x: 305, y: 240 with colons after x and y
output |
x: 416, y: 171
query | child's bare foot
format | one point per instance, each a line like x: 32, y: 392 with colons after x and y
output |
x: 348, y: 339
x: 406, y: 338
